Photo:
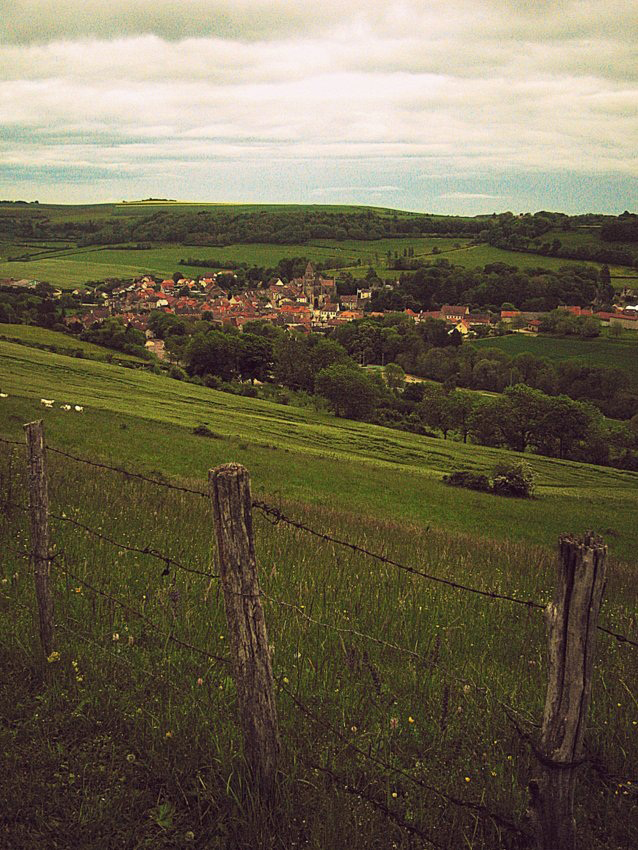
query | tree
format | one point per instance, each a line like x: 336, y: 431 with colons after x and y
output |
x: 350, y: 391
x: 254, y: 356
x: 459, y: 405
x: 394, y: 376
x: 433, y: 409
x: 291, y: 363
x: 526, y: 409
x: 214, y: 353
x: 563, y: 423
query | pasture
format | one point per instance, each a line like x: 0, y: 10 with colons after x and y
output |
x: 307, y: 457
x: 71, y: 268
x: 67, y: 266
x: 403, y: 681
x: 62, y: 343
x: 619, y: 353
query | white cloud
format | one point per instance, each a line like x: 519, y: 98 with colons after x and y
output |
x: 465, y: 86
x: 469, y: 196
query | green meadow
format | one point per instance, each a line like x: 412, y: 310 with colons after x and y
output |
x: 139, y: 418
x: 71, y: 268
x: 619, y: 353
x: 62, y: 343
x: 384, y: 679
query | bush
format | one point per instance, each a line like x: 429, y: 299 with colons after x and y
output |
x: 508, y: 479
x: 204, y: 431
x: 469, y: 480
x: 177, y: 373
x: 513, y: 479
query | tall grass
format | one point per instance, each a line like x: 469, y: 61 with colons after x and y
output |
x: 135, y: 741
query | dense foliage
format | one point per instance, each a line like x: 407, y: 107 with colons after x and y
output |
x: 438, y: 283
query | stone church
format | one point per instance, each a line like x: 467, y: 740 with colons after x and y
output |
x: 317, y: 289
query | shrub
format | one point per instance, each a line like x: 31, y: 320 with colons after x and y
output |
x: 204, y: 431
x: 248, y: 390
x: 177, y: 373
x: 513, y: 479
x: 470, y: 480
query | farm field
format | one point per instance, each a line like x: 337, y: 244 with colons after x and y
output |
x: 602, y: 351
x: 65, y: 343
x: 73, y: 268
x: 134, y: 417
x: 392, y: 671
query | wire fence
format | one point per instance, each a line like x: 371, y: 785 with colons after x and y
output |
x: 277, y: 517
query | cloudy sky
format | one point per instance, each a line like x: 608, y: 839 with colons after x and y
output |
x: 460, y: 106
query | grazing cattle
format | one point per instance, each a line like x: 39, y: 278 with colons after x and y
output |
x: 78, y: 408
x: 47, y: 402
x: 4, y: 395
x: 65, y: 407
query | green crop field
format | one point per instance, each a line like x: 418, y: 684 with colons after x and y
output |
x: 63, y: 343
x: 602, y: 351
x: 75, y: 267
x: 391, y: 690
x: 66, y: 266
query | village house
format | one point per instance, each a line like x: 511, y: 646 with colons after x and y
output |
x: 454, y: 313
x: 349, y: 302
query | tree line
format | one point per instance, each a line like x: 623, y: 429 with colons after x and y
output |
x: 428, y: 350
x: 487, y: 288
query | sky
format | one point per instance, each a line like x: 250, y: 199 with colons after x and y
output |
x: 443, y: 106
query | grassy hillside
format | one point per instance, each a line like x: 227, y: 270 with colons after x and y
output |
x: 141, y: 419
x: 134, y: 740
x: 74, y: 267
x: 63, y: 343
x: 603, y: 351
x: 63, y: 264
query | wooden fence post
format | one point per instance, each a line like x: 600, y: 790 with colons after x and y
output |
x: 39, y: 511
x: 571, y: 620
x: 232, y: 505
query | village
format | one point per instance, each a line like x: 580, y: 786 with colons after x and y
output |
x: 305, y: 304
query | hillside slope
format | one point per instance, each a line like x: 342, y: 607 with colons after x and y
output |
x: 145, y: 422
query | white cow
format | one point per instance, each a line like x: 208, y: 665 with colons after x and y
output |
x: 47, y: 402
x: 4, y: 395
x: 65, y: 407
x: 78, y: 408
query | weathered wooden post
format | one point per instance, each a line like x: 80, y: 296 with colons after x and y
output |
x: 39, y: 512
x: 572, y: 620
x: 232, y: 505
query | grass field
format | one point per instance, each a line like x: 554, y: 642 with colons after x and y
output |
x: 603, y: 351
x: 74, y: 268
x: 64, y: 343
x: 304, y: 456
x: 134, y: 742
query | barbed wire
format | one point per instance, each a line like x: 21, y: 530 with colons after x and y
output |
x: 269, y: 510
x: 146, y: 550
x: 126, y: 472
x: 122, y: 659
x: 478, y: 808
x: 137, y: 613
x: 619, y: 637
x: 18, y: 443
x: 376, y: 803
x: 344, y: 630
x: 278, y: 517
